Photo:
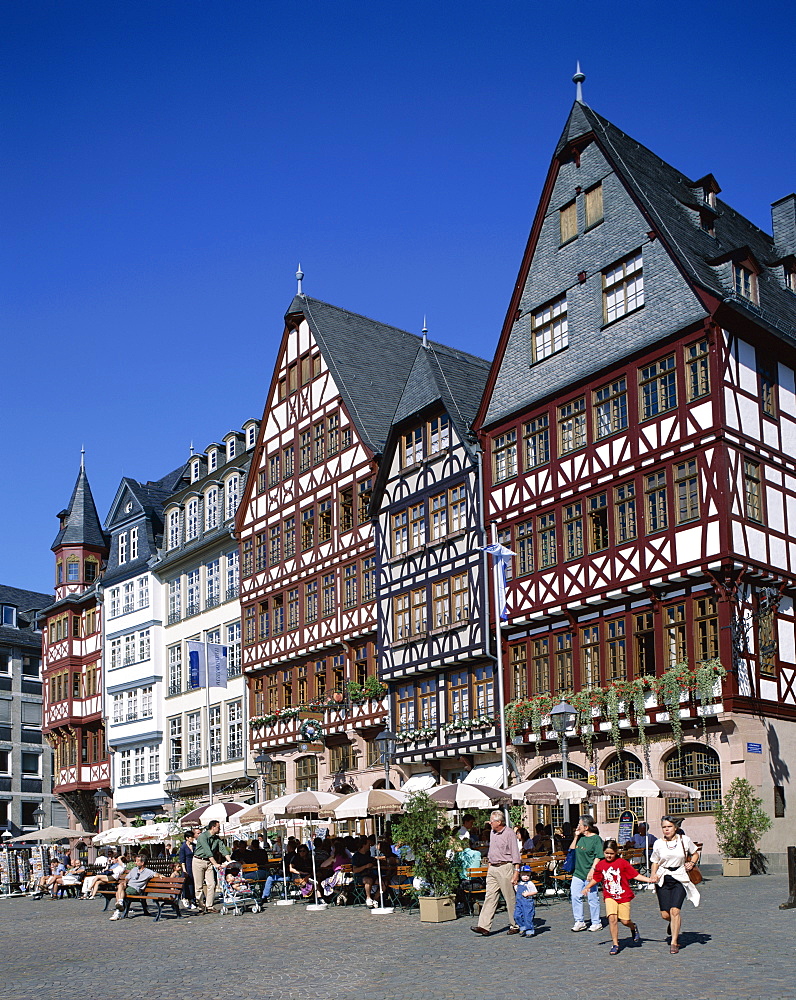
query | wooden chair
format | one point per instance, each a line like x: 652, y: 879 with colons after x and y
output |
x: 402, y: 890
x: 474, y: 887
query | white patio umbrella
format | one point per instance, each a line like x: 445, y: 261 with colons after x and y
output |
x: 304, y: 804
x: 371, y: 802
x: 551, y: 791
x: 465, y: 796
x: 116, y: 836
x: 221, y: 811
x: 50, y: 833
x: 652, y: 788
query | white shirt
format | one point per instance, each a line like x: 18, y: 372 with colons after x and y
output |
x: 672, y: 853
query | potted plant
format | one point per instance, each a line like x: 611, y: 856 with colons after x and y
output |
x: 740, y: 823
x: 420, y: 828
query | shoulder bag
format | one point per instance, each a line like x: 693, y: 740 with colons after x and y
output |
x: 568, y: 864
x: 694, y: 874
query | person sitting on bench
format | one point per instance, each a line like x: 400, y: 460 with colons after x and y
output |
x: 133, y: 884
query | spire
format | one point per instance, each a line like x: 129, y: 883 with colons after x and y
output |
x: 80, y: 524
x: 425, y: 333
x: 299, y: 277
x: 83, y: 458
x: 578, y: 79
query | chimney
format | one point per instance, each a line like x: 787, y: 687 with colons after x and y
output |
x: 783, y: 219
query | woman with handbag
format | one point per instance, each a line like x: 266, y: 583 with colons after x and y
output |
x: 674, y: 858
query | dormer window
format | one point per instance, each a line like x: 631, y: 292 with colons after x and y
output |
x: 251, y: 436
x: 709, y: 197
x: 744, y: 282
x: 9, y: 615
x: 706, y: 223
x: 230, y: 449
x: 194, y: 470
x: 790, y: 277
x: 212, y: 460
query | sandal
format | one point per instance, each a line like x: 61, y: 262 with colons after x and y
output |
x: 673, y: 949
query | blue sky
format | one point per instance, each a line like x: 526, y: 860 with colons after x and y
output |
x: 166, y: 164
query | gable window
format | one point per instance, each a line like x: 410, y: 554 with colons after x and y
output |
x: 524, y: 546
x: 439, y: 517
x: 610, y: 408
x: 289, y: 536
x: 288, y: 461
x: 122, y: 552
x: 593, y: 205
x: 768, y: 392
x: 324, y: 520
x: 319, y: 443
x: 333, y: 434
x: 572, y: 425
x: 536, y: 441
x: 658, y: 388
x: 504, y: 456
x: 307, y: 528
x: 400, y: 533
x: 347, y: 509
x: 568, y: 222
x: 623, y: 288
x: 248, y: 557
x: 417, y: 525
x: 134, y: 543
x: 686, y: 481
x: 350, y: 580
x: 305, y: 451
x: 192, y: 519
x: 547, y: 540
x: 211, y: 508
x: 412, y: 447
x: 744, y: 282
x: 233, y: 495
x: 549, y: 329
x: 457, y: 497
x: 697, y: 370
x: 439, y: 433
x: 753, y: 498
x: 274, y: 470
x: 364, y: 493
x: 369, y: 578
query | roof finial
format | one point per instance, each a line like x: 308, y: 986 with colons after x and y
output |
x: 299, y: 276
x: 82, y: 458
x: 191, y: 449
x: 578, y: 79
x: 425, y: 333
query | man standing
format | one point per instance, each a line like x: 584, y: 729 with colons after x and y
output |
x: 134, y: 883
x: 502, y: 875
x: 208, y: 845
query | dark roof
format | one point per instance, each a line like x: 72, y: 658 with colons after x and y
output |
x: 440, y: 374
x: 671, y: 200
x: 81, y: 525
x: 369, y: 362
x: 24, y: 600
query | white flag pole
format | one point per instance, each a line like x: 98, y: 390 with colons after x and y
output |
x: 499, y: 658
x: 209, y: 740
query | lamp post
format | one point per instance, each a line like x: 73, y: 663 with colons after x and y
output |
x: 172, y: 786
x: 386, y: 741
x: 100, y: 798
x: 561, y: 717
x: 38, y: 817
x: 265, y: 766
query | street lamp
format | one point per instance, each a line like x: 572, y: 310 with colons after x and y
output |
x: 265, y: 766
x: 38, y: 817
x: 100, y: 798
x: 561, y: 718
x: 172, y: 786
x: 386, y: 741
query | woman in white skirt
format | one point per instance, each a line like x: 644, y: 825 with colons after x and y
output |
x: 673, y: 856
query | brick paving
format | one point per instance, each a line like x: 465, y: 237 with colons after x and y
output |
x: 736, y: 946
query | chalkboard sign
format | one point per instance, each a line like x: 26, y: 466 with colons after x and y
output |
x: 626, y: 823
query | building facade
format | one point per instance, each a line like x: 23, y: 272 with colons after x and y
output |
x: 639, y: 422
x: 133, y: 646
x: 25, y: 760
x: 197, y: 570
x: 434, y: 639
x: 73, y: 723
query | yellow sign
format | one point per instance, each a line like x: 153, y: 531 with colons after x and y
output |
x: 592, y: 775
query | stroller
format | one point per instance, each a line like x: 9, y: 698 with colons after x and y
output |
x: 238, y: 895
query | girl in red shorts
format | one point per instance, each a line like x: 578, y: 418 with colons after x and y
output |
x: 615, y: 874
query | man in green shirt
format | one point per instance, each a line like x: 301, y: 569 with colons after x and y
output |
x: 588, y: 850
x: 208, y: 846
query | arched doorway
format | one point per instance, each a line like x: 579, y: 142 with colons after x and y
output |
x: 566, y: 812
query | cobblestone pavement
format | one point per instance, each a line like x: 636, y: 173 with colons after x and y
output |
x: 736, y: 946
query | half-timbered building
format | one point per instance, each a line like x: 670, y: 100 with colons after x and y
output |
x: 308, y: 561
x: 433, y: 630
x: 72, y: 658
x: 639, y: 422
x: 133, y: 650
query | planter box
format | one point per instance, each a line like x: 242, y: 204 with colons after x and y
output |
x: 436, y: 909
x: 734, y: 867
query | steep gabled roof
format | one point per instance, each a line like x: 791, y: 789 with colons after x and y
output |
x: 80, y: 523
x: 670, y: 199
x: 24, y: 600
x: 369, y: 362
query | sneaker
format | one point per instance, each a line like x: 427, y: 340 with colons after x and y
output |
x: 116, y: 915
x: 614, y: 950
x: 370, y: 903
x: 637, y: 936
x: 596, y: 927
x: 579, y: 926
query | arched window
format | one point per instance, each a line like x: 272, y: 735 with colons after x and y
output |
x: 232, y: 490
x: 699, y: 767
x: 558, y: 814
x: 623, y: 767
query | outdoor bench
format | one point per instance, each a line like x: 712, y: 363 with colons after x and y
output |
x: 159, y: 890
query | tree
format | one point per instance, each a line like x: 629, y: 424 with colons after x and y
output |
x: 421, y: 829
x: 740, y: 823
